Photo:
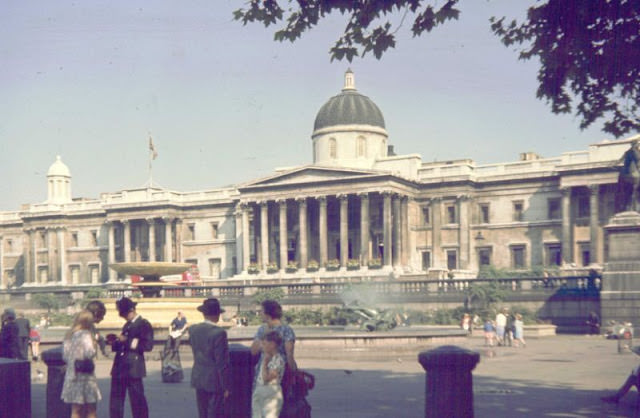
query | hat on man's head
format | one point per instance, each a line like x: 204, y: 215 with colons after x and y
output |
x: 125, y: 305
x: 211, y: 307
x: 9, y: 313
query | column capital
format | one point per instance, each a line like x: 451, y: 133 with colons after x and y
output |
x: 168, y: 219
x: 343, y: 197
x: 566, y: 190
x: 463, y: 197
x: 301, y: 200
x: 594, y: 189
x: 262, y: 203
x: 281, y: 201
x: 387, y: 193
x: 436, y: 199
x: 322, y: 199
x: 363, y: 195
x: 150, y: 220
x: 124, y: 221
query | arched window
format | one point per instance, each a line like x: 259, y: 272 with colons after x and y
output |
x: 362, y: 146
x: 333, y: 148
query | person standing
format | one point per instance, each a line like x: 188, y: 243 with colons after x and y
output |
x: 518, y: 333
x: 266, y: 400
x: 98, y: 310
x: 210, y: 376
x: 128, y: 365
x: 9, y: 342
x: 501, y: 322
x: 24, y: 329
x: 272, y: 318
x: 176, y: 329
x: 80, y: 387
x: 508, y: 329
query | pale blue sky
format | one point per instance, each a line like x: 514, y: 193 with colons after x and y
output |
x: 226, y: 104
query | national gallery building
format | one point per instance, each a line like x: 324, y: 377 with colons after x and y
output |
x: 356, y: 209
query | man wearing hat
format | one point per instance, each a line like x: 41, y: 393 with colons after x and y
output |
x: 9, y: 339
x: 128, y: 365
x: 211, y: 366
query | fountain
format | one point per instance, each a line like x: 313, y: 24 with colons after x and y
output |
x: 150, y: 271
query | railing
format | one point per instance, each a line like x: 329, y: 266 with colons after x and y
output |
x: 571, y: 285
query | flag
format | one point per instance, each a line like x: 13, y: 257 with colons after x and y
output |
x: 152, y: 149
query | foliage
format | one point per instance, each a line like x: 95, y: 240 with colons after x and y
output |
x: 334, y: 263
x: 375, y: 263
x: 48, y: 301
x: 253, y: 268
x: 312, y: 265
x: 304, y: 317
x: 364, y: 33
x: 272, y: 267
x: 292, y: 266
x: 589, y: 53
x: 483, y: 298
x: 268, y: 293
x: 588, y: 50
x: 492, y: 272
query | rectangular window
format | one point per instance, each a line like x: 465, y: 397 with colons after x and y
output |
x: 9, y: 245
x: 191, y: 232
x: 518, y: 210
x: 451, y: 214
x: 426, y: 260
x: 94, y: 238
x: 553, y: 209
x: 583, y: 207
x: 215, y: 267
x: 452, y: 259
x: 585, y: 253
x: 214, y: 230
x: 74, y: 239
x: 426, y: 215
x: 484, y: 213
x: 484, y: 256
x: 518, y: 256
x: 43, y: 239
x: 553, y: 255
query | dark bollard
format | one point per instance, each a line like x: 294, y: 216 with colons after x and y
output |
x: 56, y: 368
x: 449, y: 385
x: 241, y: 381
x: 15, y: 388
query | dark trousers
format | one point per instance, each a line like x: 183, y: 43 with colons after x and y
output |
x: 119, y: 386
x: 210, y: 404
x: 24, y: 347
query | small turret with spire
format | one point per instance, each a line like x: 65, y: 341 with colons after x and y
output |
x: 349, y: 81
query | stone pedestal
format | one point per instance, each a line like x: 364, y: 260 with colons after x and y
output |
x: 449, y: 384
x: 15, y: 388
x: 620, y: 295
x: 241, y: 381
x: 56, y: 368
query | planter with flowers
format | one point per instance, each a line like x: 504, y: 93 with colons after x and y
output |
x: 375, y: 263
x: 292, y: 267
x: 253, y: 268
x: 272, y: 267
x: 353, y: 264
x: 333, y: 264
x: 312, y: 266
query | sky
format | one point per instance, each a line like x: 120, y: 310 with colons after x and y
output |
x: 224, y: 103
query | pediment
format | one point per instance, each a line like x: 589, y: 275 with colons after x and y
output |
x: 311, y: 175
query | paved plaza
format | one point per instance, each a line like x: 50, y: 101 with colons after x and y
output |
x: 562, y: 376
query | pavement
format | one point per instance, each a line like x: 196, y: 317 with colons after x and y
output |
x: 561, y: 376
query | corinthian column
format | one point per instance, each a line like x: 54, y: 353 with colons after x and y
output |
x: 436, y: 213
x: 567, y: 240
x: 152, y: 239
x: 34, y: 260
x: 51, y: 255
x: 322, y: 230
x: 397, y: 237
x: 240, y: 267
x: 404, y: 218
x: 464, y: 239
x: 344, y: 229
x: 168, y: 240
x: 264, y: 234
x: 126, y: 238
x: 302, y: 210
x: 62, y: 254
x: 364, y: 229
x: 283, y: 233
x: 594, y: 256
x: 112, y: 250
x: 386, y: 229
x: 246, y: 251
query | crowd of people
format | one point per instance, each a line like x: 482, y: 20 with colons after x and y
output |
x: 505, y: 329
x: 273, y: 348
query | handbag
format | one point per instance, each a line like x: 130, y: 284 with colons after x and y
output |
x: 84, y: 366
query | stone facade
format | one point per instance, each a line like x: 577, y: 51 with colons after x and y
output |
x: 356, y: 206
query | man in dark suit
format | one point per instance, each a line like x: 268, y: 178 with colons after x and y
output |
x: 211, y: 367
x: 128, y: 365
x: 24, y: 328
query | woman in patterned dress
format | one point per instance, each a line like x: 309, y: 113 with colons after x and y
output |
x: 80, y: 389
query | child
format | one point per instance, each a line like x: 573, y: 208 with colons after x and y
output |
x: 266, y: 401
x: 489, y: 333
x: 518, y: 334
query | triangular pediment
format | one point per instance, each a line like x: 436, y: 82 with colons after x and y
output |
x: 311, y: 174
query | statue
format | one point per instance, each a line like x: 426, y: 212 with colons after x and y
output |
x: 629, y: 179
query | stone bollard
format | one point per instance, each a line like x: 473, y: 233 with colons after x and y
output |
x: 241, y: 381
x: 56, y: 368
x: 15, y: 388
x: 449, y: 386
